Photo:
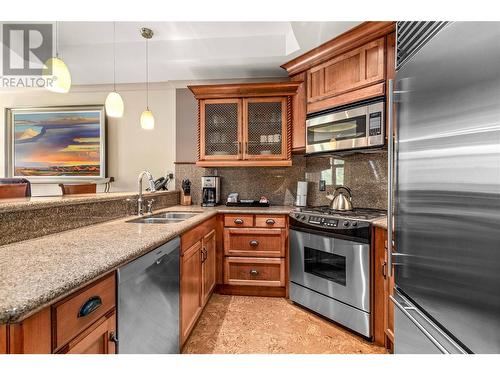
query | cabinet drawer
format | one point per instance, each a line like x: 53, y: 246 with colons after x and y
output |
x: 254, y: 271
x: 236, y: 220
x: 264, y: 221
x: 80, y: 310
x: 254, y: 242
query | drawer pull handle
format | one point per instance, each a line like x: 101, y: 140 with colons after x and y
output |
x: 254, y: 243
x: 254, y: 272
x: 270, y: 222
x: 238, y: 221
x: 91, y: 305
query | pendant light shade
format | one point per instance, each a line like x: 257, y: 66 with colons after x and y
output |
x: 114, y: 105
x: 147, y: 120
x: 56, y: 70
x: 114, y: 102
x: 60, y: 75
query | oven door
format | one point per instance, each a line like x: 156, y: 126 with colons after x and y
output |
x: 338, y: 130
x: 337, y: 268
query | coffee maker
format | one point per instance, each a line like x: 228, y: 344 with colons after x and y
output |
x: 210, y: 191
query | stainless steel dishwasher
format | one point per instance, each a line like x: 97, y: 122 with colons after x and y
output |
x: 148, y: 302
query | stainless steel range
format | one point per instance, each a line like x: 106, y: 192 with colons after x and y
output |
x: 330, y: 263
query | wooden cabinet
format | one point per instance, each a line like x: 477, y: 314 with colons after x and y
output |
x: 97, y: 340
x: 351, y: 67
x: 245, y: 124
x: 191, y: 303
x: 3, y: 339
x: 255, y: 254
x: 208, y: 266
x: 383, y: 308
x: 198, y: 274
x: 80, y: 310
x: 299, y: 112
x: 83, y: 322
x: 349, y: 72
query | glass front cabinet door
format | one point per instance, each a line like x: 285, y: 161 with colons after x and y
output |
x: 245, y: 124
x: 265, y: 128
x: 220, y: 129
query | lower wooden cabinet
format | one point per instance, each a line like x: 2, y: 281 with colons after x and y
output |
x: 198, y: 274
x: 97, y: 340
x: 190, y: 289
x: 3, y: 339
x: 383, y: 308
x: 208, y: 266
x: 255, y: 255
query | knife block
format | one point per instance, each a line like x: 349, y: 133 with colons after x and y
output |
x: 186, y: 199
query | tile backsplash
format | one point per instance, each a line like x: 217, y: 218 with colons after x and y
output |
x: 365, y: 174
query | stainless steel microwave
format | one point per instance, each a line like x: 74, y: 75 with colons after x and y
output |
x: 356, y: 126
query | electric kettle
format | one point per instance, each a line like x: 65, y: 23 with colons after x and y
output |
x: 339, y: 201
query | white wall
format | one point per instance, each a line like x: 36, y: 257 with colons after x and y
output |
x: 130, y: 149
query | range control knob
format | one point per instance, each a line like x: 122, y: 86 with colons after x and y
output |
x: 355, y: 224
x: 303, y: 217
x: 346, y: 223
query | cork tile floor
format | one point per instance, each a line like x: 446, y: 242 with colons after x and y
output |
x: 250, y: 325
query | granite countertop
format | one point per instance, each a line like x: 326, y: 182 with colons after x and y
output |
x: 381, y: 223
x: 30, y: 203
x: 36, y: 273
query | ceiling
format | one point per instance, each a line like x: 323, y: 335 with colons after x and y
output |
x: 188, y: 50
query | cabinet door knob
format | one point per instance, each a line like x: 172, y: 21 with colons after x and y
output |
x: 238, y: 221
x: 270, y: 222
x: 113, y: 338
x: 254, y: 272
x: 254, y: 243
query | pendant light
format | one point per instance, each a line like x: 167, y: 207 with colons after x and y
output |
x: 114, y: 101
x: 147, y: 118
x: 56, y: 69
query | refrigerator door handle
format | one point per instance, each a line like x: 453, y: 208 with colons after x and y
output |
x: 404, y: 310
x: 390, y: 167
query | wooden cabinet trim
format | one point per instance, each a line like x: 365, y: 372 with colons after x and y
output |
x: 244, y: 90
x: 351, y: 39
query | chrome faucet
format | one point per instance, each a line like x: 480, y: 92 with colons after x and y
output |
x: 140, y: 210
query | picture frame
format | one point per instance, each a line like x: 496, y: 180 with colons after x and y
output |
x: 56, y: 144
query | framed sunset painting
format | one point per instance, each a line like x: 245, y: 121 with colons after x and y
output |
x: 59, y: 144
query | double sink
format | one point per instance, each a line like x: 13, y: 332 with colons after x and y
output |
x: 164, y: 218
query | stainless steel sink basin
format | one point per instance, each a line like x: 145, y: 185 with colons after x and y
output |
x: 164, y: 218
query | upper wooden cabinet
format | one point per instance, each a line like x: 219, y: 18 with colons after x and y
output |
x: 360, y: 67
x: 245, y: 124
x: 351, y: 67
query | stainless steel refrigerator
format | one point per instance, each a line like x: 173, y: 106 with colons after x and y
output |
x: 446, y: 256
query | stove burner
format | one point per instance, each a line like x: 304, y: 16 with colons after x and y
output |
x: 356, y: 213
